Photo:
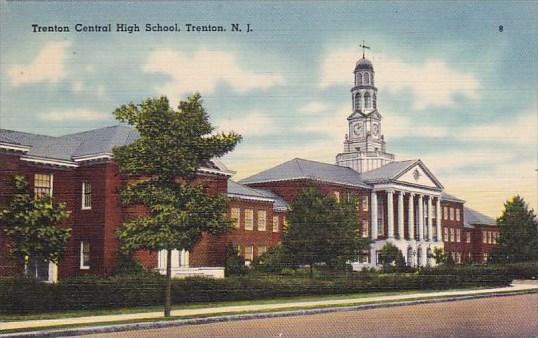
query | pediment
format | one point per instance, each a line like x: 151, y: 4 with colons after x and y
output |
x: 419, y: 174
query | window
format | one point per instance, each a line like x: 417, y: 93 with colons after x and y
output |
x: 366, y: 78
x: 458, y: 235
x: 249, y: 219
x: 367, y: 100
x: 275, y: 223
x: 42, y: 185
x: 489, y: 237
x: 365, y: 203
x: 285, y: 222
x: 249, y: 253
x: 458, y: 257
x: 468, y: 237
x: 457, y: 214
x: 235, y: 216
x: 445, y: 213
x: 262, y: 220
x: 451, y: 214
x: 337, y: 196
x: 359, y: 79
x: 484, y: 236
x: 357, y: 102
x: 446, y: 234
x: 262, y: 250
x: 86, y: 195
x: 365, y: 232
x: 494, y: 237
x: 452, y: 234
x: 84, y: 255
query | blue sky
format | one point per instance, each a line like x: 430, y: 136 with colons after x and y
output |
x: 454, y: 90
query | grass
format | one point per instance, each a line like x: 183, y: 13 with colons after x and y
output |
x: 275, y: 301
x: 158, y: 308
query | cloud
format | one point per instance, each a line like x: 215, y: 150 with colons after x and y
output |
x: 314, y: 107
x: 204, y: 70
x: 434, y: 83
x: 75, y: 115
x: 520, y: 130
x: 47, y: 66
x: 336, y: 126
x: 398, y: 126
x: 251, y: 124
x: 77, y: 87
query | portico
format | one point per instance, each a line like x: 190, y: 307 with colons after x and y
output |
x: 405, y: 211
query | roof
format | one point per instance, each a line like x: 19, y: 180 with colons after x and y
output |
x: 388, y: 171
x: 473, y: 217
x: 68, y: 149
x: 312, y: 170
x: 242, y: 191
x: 447, y: 197
x: 364, y: 64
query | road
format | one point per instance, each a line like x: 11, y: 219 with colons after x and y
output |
x: 513, y: 316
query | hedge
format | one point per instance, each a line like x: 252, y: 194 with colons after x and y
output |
x: 23, y: 296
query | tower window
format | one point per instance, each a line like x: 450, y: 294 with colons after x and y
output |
x: 366, y: 78
x: 357, y: 102
x: 358, y: 80
x: 367, y: 100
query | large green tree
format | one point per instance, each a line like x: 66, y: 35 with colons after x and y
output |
x: 33, y: 225
x: 518, y: 239
x: 161, y: 166
x: 322, y: 230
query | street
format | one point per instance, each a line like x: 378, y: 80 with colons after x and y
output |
x: 513, y: 316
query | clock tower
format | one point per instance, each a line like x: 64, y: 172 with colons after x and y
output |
x: 364, y: 145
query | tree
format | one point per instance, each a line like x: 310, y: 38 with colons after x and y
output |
x: 390, y: 255
x: 33, y: 226
x: 322, y: 230
x: 442, y: 258
x: 161, y: 167
x: 235, y: 263
x: 518, y: 238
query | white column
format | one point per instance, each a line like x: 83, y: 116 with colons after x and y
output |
x: 438, y: 219
x: 420, y: 218
x: 390, y: 213
x: 411, y: 216
x: 401, y: 215
x: 430, y: 215
x: 373, y: 208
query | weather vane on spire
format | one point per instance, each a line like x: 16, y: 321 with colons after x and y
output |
x: 363, y: 48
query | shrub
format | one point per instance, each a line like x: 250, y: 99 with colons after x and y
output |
x: 22, y: 295
x: 234, y: 263
x: 274, y: 260
x: 127, y: 265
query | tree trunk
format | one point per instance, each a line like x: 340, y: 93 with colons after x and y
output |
x: 311, y: 270
x: 168, y: 290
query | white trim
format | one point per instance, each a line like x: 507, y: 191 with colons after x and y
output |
x: 363, y: 186
x: 246, y: 197
x: 92, y: 157
x: 14, y: 147
x: 215, y: 171
x: 45, y: 161
x: 406, y: 188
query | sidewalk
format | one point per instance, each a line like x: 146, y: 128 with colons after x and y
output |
x: 517, y: 286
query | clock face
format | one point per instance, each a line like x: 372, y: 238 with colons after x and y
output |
x: 375, y: 129
x: 357, y: 129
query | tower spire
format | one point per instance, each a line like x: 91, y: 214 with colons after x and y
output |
x: 363, y: 46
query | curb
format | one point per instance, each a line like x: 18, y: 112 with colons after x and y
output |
x: 261, y: 315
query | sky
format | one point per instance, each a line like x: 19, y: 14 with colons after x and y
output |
x: 455, y: 89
